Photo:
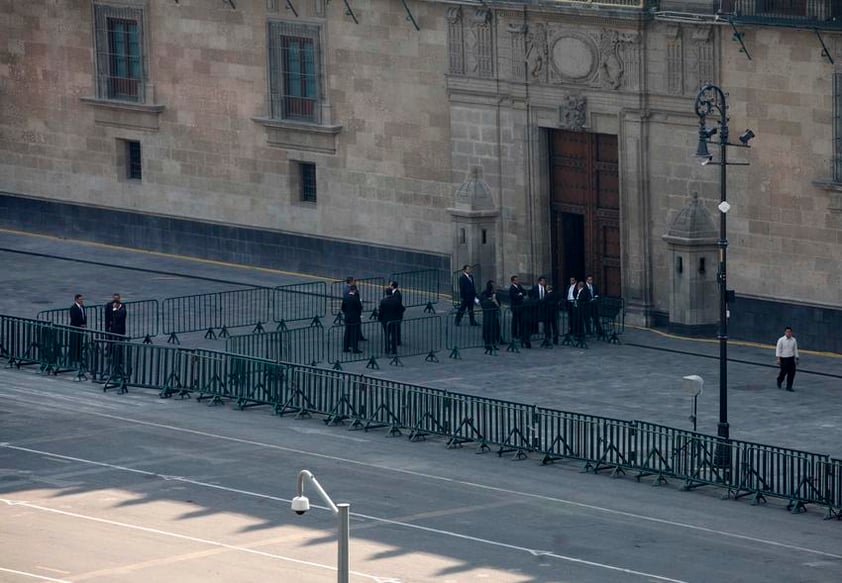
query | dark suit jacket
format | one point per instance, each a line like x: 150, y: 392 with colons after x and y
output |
x: 467, y: 289
x: 595, y: 291
x: 115, y: 320
x: 397, y: 294
x: 352, y: 308
x: 77, y: 316
x: 516, y: 294
x: 390, y: 309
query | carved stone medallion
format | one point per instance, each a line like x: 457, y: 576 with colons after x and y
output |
x: 574, y: 57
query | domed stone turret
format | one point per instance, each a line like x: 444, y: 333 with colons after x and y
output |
x: 474, y: 194
x: 692, y: 223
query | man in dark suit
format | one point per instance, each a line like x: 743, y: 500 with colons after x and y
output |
x: 592, y: 316
x: 517, y: 295
x: 468, y: 294
x: 389, y: 316
x: 393, y: 285
x: 78, y: 319
x: 115, y: 316
x: 580, y: 309
x: 546, y: 308
x: 352, y: 309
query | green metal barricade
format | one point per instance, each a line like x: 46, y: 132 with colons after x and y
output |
x: 487, y: 334
x: 193, y: 313
x: 343, y: 344
x: 490, y: 422
x: 21, y: 340
x: 419, y: 288
x: 299, y: 301
x: 611, y: 315
x: 241, y: 308
x: 293, y: 345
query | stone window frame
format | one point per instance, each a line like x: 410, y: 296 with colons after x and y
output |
x: 103, y: 11
x: 833, y: 185
x: 280, y: 36
x: 298, y: 182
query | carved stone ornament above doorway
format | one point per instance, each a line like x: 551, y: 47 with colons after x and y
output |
x: 572, y: 114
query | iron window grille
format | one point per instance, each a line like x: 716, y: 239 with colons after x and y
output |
x: 294, y: 72
x: 134, y: 164
x: 118, y: 37
x: 837, y: 126
x: 307, y: 181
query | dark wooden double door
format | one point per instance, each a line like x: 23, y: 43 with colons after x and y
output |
x: 585, y: 209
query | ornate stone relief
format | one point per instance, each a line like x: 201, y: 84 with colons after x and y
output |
x: 469, y: 41
x: 606, y: 59
x: 572, y: 114
x: 675, y: 61
x: 517, y: 33
x: 455, y: 41
x: 703, y: 55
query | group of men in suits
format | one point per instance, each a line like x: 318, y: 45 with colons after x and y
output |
x: 115, y: 321
x: 389, y: 313
x: 539, y: 306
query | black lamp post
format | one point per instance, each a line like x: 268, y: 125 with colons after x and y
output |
x: 710, y: 102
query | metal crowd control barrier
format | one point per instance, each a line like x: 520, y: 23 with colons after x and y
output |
x: 194, y: 313
x: 419, y: 288
x: 21, y: 340
x: 141, y: 322
x: 342, y: 347
x: 413, y: 337
x: 244, y: 307
x: 294, y: 345
x: 371, y: 292
x: 488, y: 334
x: 299, y: 301
x: 611, y: 312
x: 742, y: 468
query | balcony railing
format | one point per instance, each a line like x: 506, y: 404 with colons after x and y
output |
x: 819, y: 14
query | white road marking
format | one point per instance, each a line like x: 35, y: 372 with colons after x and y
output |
x: 430, y: 477
x: 33, y: 575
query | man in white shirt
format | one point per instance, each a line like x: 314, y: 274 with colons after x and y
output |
x: 786, y: 355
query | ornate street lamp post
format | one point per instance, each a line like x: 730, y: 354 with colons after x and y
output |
x: 711, y: 102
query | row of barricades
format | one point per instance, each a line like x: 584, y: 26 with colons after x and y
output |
x: 217, y: 313
x: 428, y: 335
x: 602, y: 444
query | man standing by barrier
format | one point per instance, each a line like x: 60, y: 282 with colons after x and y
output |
x: 393, y: 285
x: 78, y: 319
x: 592, y: 316
x: 516, y: 298
x: 115, y: 316
x: 389, y: 314
x: 571, y: 302
x: 352, y: 309
x: 786, y: 355
x: 468, y: 294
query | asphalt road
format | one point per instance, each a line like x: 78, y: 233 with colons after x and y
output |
x: 130, y: 488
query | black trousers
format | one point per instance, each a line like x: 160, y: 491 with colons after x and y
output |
x: 467, y: 304
x: 787, y: 370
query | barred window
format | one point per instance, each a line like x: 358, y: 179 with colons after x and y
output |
x: 118, y: 38
x: 307, y: 181
x: 294, y: 72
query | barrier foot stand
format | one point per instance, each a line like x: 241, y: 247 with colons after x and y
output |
x: 147, y: 339
x: 81, y: 374
x: 259, y: 329
x: 372, y: 364
x: 567, y: 340
x: 455, y: 353
x: 512, y: 347
x: 173, y: 339
x: 431, y: 357
x: 519, y: 453
x: 550, y: 458
x: 396, y: 361
x: 546, y: 343
x: 429, y: 309
x: 491, y: 349
x: 210, y: 334
x: 337, y: 321
x: 374, y: 315
x: 317, y: 322
x: 223, y: 332
x: 116, y: 381
x: 758, y: 498
x: 336, y: 366
x: 281, y: 327
x: 796, y: 506
x: 580, y: 342
x: 833, y: 513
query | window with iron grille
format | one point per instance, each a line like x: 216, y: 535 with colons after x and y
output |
x: 118, y: 38
x: 307, y: 181
x: 134, y: 168
x: 294, y: 72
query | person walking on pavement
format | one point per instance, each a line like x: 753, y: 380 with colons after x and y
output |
x: 468, y: 294
x: 786, y: 355
x: 115, y: 316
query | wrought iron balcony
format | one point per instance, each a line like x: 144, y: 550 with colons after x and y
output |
x: 813, y: 14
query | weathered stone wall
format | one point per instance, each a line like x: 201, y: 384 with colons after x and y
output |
x: 204, y: 157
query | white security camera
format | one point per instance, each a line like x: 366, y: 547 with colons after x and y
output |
x: 300, y: 504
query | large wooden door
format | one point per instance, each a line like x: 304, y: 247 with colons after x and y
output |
x: 585, y: 199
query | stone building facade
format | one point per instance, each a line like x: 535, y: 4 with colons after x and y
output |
x: 533, y: 138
